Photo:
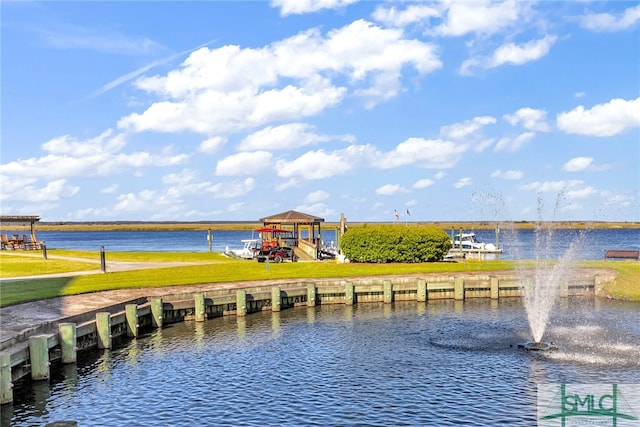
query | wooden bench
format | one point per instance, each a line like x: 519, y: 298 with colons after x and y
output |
x: 621, y: 253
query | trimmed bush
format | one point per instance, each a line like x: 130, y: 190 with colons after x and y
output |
x: 395, y: 243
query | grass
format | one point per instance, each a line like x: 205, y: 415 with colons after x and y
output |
x: 216, y: 268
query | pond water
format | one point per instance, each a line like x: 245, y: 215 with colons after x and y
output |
x: 436, y: 363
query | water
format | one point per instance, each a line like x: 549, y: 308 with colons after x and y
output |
x: 517, y: 245
x: 436, y: 363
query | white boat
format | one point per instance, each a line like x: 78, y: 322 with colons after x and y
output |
x: 468, y: 242
x: 248, y: 251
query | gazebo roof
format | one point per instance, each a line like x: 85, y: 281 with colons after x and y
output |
x: 291, y: 217
x: 19, y: 218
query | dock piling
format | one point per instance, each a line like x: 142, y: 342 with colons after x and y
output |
x: 156, y: 312
x: 388, y: 292
x: 199, y: 307
x: 276, y: 299
x: 67, y: 334
x: 349, y: 293
x: 458, y: 288
x: 421, y: 295
x: 241, y: 302
x: 6, y: 386
x: 103, y: 329
x: 495, y: 288
x: 39, y: 357
x: 311, y: 295
x: 131, y: 313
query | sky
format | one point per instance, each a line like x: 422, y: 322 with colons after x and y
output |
x: 466, y: 110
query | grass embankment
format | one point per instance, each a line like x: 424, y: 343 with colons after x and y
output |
x: 216, y: 268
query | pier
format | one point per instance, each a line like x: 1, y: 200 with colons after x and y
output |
x: 33, y: 352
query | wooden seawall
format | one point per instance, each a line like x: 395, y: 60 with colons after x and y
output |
x: 62, y: 342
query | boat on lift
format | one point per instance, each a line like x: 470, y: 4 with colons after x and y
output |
x: 468, y: 242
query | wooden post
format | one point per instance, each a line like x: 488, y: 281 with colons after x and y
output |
x: 495, y: 289
x: 388, y: 292
x: 39, y: 357
x: 458, y: 287
x: 156, y: 312
x: 103, y: 329
x: 241, y: 302
x: 311, y: 295
x: 349, y: 294
x: 422, y: 291
x: 131, y: 312
x: 199, y: 307
x: 564, y: 290
x: 6, y: 386
x: 276, y: 299
x: 597, y: 284
x: 67, y: 334
x: 103, y: 261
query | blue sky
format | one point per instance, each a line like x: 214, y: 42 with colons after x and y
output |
x: 210, y: 110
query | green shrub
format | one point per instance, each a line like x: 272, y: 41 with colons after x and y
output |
x: 395, y: 243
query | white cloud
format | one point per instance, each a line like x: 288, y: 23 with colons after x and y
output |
x: 602, y: 120
x: 389, y: 189
x: 316, y: 196
x: 434, y: 154
x: 211, y: 145
x: 483, y: 17
x: 581, y: 193
x: 463, y: 182
x: 69, y: 157
x: 246, y: 163
x: 391, y: 16
x: 514, y: 144
x: 287, y: 136
x: 610, y: 22
x: 509, y: 174
x: 551, y: 186
x: 530, y: 119
x: 510, y: 53
x: 423, y: 183
x: 578, y: 164
x: 515, y: 54
x: 314, y: 165
x: 300, y: 7
x: 229, y: 89
x: 466, y: 128
x: 110, y: 189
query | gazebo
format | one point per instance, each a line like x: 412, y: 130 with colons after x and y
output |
x: 17, y: 242
x: 306, y: 231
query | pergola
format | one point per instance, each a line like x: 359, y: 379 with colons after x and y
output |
x: 19, y: 219
x: 300, y: 222
x: 22, y: 220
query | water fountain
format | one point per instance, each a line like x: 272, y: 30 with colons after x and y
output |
x: 542, y: 288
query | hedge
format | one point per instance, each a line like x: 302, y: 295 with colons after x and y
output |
x: 395, y: 243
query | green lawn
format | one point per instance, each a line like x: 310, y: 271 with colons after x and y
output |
x: 216, y: 268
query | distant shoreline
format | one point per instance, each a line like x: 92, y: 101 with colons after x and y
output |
x: 248, y: 225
